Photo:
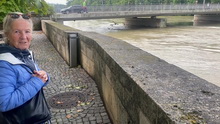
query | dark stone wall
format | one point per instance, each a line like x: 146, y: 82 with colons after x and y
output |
x: 37, y: 21
x: 146, y: 22
x: 200, y: 20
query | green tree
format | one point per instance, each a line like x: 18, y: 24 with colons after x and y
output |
x: 39, y: 7
x: 214, y: 1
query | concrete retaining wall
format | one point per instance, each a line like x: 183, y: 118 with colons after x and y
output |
x: 59, y: 36
x: 146, y: 22
x: 139, y: 88
x: 200, y: 20
x: 37, y: 21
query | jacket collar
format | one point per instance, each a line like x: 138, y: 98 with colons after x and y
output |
x: 10, y: 58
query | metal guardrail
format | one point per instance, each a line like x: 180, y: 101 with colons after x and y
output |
x: 201, y: 7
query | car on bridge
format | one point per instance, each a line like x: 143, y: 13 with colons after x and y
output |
x: 73, y: 9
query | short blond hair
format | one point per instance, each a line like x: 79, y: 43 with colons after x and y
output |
x: 7, y: 21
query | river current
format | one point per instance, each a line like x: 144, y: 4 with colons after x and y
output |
x: 195, y: 49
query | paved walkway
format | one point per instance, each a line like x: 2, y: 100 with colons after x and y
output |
x: 72, y: 85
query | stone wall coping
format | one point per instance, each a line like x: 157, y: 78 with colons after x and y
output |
x: 180, y: 94
x: 60, y: 26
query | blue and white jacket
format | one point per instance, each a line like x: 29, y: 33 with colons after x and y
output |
x: 17, y: 85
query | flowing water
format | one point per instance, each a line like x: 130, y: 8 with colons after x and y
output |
x: 193, y: 48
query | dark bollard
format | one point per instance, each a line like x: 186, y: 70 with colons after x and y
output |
x: 73, y: 50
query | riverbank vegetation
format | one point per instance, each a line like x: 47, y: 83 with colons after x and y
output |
x: 39, y: 7
x: 178, y: 20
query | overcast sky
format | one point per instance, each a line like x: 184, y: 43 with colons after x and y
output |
x: 56, y: 1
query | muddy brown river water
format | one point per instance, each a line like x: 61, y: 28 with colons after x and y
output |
x: 195, y: 49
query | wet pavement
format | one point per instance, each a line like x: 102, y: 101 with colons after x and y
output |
x: 72, y: 94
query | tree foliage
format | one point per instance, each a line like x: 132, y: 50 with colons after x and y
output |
x: 39, y: 7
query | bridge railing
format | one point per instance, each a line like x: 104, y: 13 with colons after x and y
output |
x: 204, y: 7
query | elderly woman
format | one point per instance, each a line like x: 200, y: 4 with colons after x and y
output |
x: 21, y: 82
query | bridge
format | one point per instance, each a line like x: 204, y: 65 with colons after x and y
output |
x: 132, y: 13
x: 129, y: 11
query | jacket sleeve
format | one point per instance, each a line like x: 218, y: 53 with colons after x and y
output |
x: 14, y: 90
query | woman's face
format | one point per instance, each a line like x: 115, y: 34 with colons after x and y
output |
x: 20, y: 35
